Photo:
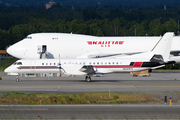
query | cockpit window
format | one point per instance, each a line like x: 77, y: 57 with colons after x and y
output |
x: 28, y: 37
x: 19, y: 63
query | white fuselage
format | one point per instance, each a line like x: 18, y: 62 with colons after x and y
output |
x: 100, y: 65
x: 83, y: 46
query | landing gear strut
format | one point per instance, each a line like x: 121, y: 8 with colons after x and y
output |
x: 88, y: 78
x: 17, y: 78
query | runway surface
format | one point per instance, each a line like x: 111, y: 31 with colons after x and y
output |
x: 90, y: 112
x: 156, y: 83
x: 159, y: 83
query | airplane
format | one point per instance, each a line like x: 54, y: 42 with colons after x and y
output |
x: 50, y: 45
x: 156, y: 58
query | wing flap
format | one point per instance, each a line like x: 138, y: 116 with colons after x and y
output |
x: 72, y: 69
x: 100, y: 55
x: 77, y: 69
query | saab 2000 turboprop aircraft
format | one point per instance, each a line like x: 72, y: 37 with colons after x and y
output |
x: 157, y: 57
x: 50, y: 45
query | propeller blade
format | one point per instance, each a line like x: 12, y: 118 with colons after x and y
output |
x: 59, y: 66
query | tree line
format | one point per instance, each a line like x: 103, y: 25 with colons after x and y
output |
x: 116, y: 27
x: 84, y: 3
x: 95, y: 27
x: 11, y: 16
x: 18, y: 22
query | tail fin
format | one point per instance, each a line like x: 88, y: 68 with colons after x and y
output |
x: 162, y: 48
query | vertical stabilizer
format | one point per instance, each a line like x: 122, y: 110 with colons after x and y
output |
x: 163, y: 46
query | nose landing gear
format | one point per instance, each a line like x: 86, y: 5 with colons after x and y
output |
x: 17, y: 78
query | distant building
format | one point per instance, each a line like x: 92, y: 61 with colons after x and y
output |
x: 4, y: 54
x: 164, y: 7
x: 49, y: 5
x: 7, y: 5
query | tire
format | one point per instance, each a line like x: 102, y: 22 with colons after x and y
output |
x: 17, y: 79
x: 88, y: 78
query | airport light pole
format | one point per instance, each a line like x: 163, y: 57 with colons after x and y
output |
x: 178, y: 27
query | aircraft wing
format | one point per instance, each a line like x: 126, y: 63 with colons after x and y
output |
x: 101, y: 55
x: 77, y: 69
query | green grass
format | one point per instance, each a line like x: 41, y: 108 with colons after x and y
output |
x: 5, y: 62
x: 78, y: 98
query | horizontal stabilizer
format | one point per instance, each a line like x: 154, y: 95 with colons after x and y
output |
x: 157, y: 58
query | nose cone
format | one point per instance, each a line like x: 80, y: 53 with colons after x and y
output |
x: 11, y: 71
x: 17, y: 50
x: 10, y: 50
x: 7, y: 70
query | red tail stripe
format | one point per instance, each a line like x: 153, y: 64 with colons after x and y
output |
x: 137, y: 64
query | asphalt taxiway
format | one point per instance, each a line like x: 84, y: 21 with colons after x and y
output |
x: 95, y: 112
x: 158, y: 82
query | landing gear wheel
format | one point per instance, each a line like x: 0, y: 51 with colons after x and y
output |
x: 88, y: 78
x: 17, y: 79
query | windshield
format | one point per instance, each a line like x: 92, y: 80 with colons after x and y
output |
x: 17, y: 63
x: 28, y: 37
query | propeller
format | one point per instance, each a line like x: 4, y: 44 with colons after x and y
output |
x: 59, y: 66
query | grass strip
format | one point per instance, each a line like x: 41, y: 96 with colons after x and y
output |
x: 75, y: 98
x: 5, y: 62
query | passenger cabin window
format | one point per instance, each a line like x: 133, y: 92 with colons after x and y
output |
x: 46, y: 63
x: 90, y: 63
x: 50, y: 63
x: 109, y: 63
x: 54, y: 63
x: 97, y: 63
x: 42, y: 63
x: 55, y: 38
x: 94, y: 63
x: 117, y: 63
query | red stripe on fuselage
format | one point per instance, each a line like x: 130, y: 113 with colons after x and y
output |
x: 37, y: 67
x: 137, y: 64
x: 114, y: 66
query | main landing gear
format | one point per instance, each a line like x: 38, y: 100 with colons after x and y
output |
x: 88, y: 78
